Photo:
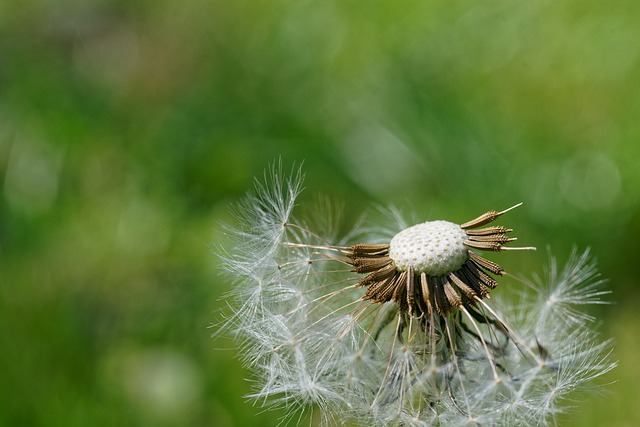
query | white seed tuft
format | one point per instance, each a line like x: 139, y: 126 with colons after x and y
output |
x: 433, y: 247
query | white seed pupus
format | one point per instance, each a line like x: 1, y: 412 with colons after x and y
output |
x: 433, y: 247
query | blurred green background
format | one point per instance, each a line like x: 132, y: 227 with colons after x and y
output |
x: 127, y: 127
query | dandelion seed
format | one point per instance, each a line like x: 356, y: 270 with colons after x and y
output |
x: 399, y: 332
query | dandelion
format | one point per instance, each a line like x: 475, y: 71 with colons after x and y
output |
x: 394, y: 328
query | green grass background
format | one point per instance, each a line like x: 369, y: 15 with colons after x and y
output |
x: 127, y: 127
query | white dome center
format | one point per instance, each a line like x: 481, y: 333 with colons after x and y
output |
x: 433, y: 247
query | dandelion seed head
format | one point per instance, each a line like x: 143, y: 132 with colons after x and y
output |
x: 396, y: 330
x: 433, y: 247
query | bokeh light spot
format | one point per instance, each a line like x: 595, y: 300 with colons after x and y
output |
x: 31, y: 180
x: 590, y: 180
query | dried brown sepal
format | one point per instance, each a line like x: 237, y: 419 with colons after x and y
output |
x: 382, y: 291
x: 474, y: 281
x: 497, y: 238
x: 442, y: 302
x: 488, y: 231
x: 484, y: 246
x: 462, y: 285
x: 400, y: 293
x: 483, y: 219
x: 481, y: 262
x: 411, y: 290
x: 365, y: 250
x: 367, y: 265
x: 451, y: 294
x: 481, y: 276
x: 486, y: 218
x: 378, y: 275
x: 426, y: 293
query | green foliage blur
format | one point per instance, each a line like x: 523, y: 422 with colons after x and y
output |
x: 127, y: 128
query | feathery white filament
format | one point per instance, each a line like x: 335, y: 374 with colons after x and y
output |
x: 433, y: 247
